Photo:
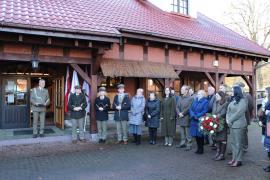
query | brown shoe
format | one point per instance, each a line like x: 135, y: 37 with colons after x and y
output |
x: 74, y: 141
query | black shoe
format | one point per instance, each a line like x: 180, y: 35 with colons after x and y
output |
x: 35, y: 136
x: 100, y: 141
x: 181, y: 146
x: 267, y: 169
x: 135, y: 138
x: 138, y: 140
x: 41, y: 135
x: 103, y: 141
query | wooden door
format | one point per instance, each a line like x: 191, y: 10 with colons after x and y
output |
x: 59, y: 95
x: 15, y: 111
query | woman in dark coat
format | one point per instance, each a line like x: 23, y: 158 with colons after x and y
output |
x: 219, y: 109
x: 152, y: 113
x: 102, y: 106
x: 167, y: 116
x: 198, y: 109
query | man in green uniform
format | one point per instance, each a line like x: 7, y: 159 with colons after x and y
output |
x: 39, y: 101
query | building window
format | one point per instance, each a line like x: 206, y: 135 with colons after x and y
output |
x: 180, y: 6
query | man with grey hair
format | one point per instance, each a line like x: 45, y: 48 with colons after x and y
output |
x: 249, y: 111
x: 39, y: 99
x: 182, y: 110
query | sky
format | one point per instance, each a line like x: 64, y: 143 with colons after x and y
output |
x: 214, y: 9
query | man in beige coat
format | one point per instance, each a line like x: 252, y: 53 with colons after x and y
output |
x: 39, y: 101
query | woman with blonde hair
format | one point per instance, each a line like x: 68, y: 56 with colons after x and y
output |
x: 198, y: 109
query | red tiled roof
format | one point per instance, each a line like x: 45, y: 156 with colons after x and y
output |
x: 108, y: 16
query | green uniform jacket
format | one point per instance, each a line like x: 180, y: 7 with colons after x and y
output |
x: 167, y: 115
x: 39, y: 99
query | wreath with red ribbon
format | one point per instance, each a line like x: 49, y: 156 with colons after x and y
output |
x: 210, y: 124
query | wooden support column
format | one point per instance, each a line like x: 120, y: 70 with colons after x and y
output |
x: 247, y: 80
x: 93, y: 122
x: 211, y: 80
x: 222, y: 78
x: 217, y: 80
x: 161, y: 82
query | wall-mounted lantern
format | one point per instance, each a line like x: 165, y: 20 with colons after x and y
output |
x: 215, y: 63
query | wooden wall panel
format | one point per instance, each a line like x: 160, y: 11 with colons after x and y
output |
x: 17, y: 48
x: 51, y: 51
x: 156, y: 55
x: 194, y: 59
x: 80, y: 53
x: 236, y: 64
x: 176, y: 57
x: 112, y: 53
x: 133, y: 52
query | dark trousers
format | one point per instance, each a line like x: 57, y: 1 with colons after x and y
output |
x: 153, y: 134
x: 200, y: 144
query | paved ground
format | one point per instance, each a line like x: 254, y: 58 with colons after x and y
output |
x: 90, y: 161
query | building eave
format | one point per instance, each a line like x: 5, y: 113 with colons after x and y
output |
x: 170, y: 40
x: 62, y: 33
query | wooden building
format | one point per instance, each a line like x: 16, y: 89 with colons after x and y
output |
x: 128, y: 41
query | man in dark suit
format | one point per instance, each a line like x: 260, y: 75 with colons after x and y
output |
x: 76, y: 105
x: 121, y: 105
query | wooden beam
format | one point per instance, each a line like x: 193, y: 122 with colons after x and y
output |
x: 222, y: 78
x: 95, y: 36
x: 42, y: 58
x: 246, y: 78
x: 178, y: 72
x: 145, y: 52
x: 84, y: 75
x: 161, y: 82
x: 59, y: 42
x: 209, y: 77
x: 93, y: 122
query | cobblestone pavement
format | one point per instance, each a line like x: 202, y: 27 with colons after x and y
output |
x: 90, y: 161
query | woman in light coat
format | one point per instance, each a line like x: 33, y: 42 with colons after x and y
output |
x: 237, y: 123
x: 136, y: 116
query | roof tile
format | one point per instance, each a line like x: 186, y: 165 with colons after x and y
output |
x: 110, y: 15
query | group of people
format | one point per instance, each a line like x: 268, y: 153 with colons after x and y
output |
x: 186, y: 110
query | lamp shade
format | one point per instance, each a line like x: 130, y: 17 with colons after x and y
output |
x: 35, y: 63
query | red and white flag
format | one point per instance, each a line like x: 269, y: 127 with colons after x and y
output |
x: 75, y: 81
x: 86, y: 91
x: 67, y: 89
